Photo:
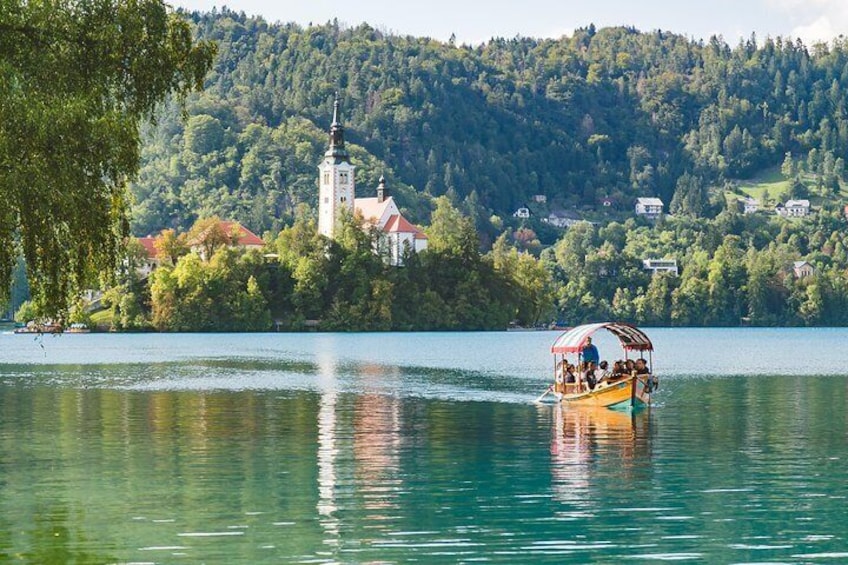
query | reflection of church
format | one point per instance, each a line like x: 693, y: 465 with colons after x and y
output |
x: 337, y: 191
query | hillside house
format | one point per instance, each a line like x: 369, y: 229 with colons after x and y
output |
x: 651, y: 208
x: 562, y: 218
x: 660, y: 266
x: 749, y: 205
x: 803, y: 269
x: 793, y: 209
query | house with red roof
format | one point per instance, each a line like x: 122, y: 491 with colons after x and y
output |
x: 336, y: 192
x: 238, y: 235
x: 151, y: 260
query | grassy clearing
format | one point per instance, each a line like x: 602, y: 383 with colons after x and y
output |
x: 772, y: 181
x: 102, y: 319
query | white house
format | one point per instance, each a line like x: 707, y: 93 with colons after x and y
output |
x: 794, y: 209
x: 660, y: 266
x: 523, y: 212
x: 750, y: 205
x: 540, y: 198
x: 649, y: 207
x: 337, y: 192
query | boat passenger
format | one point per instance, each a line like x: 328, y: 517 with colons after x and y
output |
x: 617, y: 371
x: 642, y: 367
x: 589, y: 375
x: 629, y: 367
x: 559, y: 377
x: 602, y: 373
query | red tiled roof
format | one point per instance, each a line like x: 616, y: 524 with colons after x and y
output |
x: 399, y: 224
x: 246, y: 237
x: 149, y: 247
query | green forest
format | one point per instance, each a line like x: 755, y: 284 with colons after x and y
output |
x: 603, y: 113
x: 474, y: 132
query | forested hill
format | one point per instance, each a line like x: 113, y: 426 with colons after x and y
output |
x: 609, y: 112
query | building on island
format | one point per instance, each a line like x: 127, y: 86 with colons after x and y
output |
x: 651, y: 208
x: 660, y: 266
x: 151, y: 260
x: 522, y: 212
x: 337, y: 192
x: 238, y: 236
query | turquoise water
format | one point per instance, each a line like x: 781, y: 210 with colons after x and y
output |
x: 393, y: 448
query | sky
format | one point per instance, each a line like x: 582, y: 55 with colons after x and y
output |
x: 475, y: 21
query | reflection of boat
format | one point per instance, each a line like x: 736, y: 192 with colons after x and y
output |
x: 630, y: 389
x: 582, y: 434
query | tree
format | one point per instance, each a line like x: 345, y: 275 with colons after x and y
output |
x: 76, y: 78
x: 208, y: 235
x: 170, y: 245
x: 788, y: 169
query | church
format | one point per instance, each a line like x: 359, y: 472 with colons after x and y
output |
x: 337, y: 191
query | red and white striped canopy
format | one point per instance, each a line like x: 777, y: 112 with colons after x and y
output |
x: 630, y: 337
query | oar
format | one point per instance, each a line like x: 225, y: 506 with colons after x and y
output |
x: 544, y: 394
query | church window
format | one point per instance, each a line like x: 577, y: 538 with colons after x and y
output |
x: 343, y: 199
x: 326, y: 178
x: 326, y: 200
x: 343, y: 178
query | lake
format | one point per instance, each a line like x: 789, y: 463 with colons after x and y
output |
x: 393, y: 448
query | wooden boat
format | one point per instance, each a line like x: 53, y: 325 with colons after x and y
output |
x: 622, y: 391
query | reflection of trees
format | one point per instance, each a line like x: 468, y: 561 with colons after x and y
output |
x: 118, y: 460
x: 583, y: 435
x: 56, y: 538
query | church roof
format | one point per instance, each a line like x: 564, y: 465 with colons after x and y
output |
x: 371, y: 208
x: 399, y: 224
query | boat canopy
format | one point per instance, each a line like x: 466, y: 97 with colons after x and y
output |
x: 630, y: 337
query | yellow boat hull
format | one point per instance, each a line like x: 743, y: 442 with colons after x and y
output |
x: 618, y: 394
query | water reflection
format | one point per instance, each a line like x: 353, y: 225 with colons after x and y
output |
x: 377, y: 442
x: 328, y: 451
x: 585, y: 438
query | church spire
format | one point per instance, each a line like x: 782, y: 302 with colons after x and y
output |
x: 381, y: 189
x: 337, y: 146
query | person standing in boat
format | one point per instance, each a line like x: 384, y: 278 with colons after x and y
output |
x: 590, y: 353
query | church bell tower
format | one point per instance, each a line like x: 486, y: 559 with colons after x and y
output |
x: 335, y: 179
